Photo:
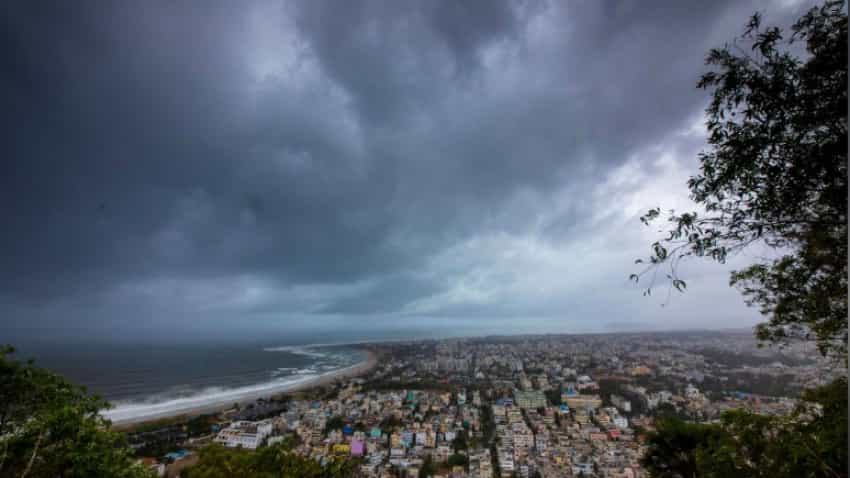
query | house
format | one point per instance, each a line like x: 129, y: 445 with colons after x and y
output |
x: 583, y: 401
x: 341, y: 449
x: 177, y: 455
x: 530, y: 399
x: 245, y: 434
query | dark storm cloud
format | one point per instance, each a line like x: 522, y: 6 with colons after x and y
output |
x: 389, y: 54
x: 337, y: 153
x: 136, y: 138
x: 389, y: 295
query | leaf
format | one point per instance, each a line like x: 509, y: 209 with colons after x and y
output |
x: 775, y: 174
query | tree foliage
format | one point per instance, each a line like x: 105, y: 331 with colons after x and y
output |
x: 460, y: 441
x: 428, y: 468
x: 456, y: 459
x: 334, y: 423
x: 216, y: 461
x: 50, y: 427
x: 776, y: 174
x: 812, y: 442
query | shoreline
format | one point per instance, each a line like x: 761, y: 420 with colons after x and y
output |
x: 190, y: 411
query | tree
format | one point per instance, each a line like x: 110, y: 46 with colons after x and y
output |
x: 460, y: 441
x: 50, y: 427
x: 553, y: 396
x: 668, y: 410
x: 335, y: 423
x: 456, y: 459
x: 216, y: 461
x: 812, y: 442
x: 673, y: 448
x: 776, y: 174
x: 429, y: 468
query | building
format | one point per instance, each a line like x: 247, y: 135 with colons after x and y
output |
x: 579, y: 401
x: 480, y: 465
x: 529, y: 398
x: 245, y: 434
x: 621, y: 403
x: 621, y: 422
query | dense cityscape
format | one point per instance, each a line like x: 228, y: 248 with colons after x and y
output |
x: 505, y: 406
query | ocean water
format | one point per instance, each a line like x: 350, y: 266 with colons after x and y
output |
x: 148, y: 381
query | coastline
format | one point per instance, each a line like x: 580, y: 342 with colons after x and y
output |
x: 328, y: 378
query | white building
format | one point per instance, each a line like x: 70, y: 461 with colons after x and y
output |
x: 530, y: 398
x: 245, y: 434
x: 621, y: 422
x: 621, y: 403
x: 692, y: 393
x: 522, y: 435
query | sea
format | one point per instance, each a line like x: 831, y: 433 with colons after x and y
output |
x: 144, y: 381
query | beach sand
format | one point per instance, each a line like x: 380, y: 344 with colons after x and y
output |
x: 327, y: 379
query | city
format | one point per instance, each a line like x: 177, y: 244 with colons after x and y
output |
x: 571, y: 405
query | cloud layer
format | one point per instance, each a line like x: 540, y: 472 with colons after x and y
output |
x: 271, y: 166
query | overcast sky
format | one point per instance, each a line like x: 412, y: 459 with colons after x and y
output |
x: 256, y: 167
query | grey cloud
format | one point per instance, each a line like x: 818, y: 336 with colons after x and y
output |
x: 387, y: 296
x: 162, y: 142
x: 396, y: 57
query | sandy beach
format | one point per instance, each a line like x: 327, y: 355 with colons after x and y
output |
x: 355, y: 370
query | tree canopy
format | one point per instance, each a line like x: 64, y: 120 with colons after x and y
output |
x: 812, y: 442
x: 50, y: 427
x: 217, y: 461
x: 775, y: 174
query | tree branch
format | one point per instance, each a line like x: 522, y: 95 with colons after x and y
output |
x: 34, y: 453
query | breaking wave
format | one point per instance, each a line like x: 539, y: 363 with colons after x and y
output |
x: 208, y: 397
x: 184, y: 400
x: 306, y: 351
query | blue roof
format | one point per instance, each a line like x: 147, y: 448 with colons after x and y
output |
x: 176, y: 455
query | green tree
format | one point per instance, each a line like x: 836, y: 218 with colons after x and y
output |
x: 668, y: 410
x: 334, y: 423
x: 429, y: 468
x: 50, y: 427
x: 776, y: 174
x: 460, y: 441
x: 673, y: 448
x: 456, y: 459
x: 553, y: 396
x: 812, y: 442
x: 216, y: 461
